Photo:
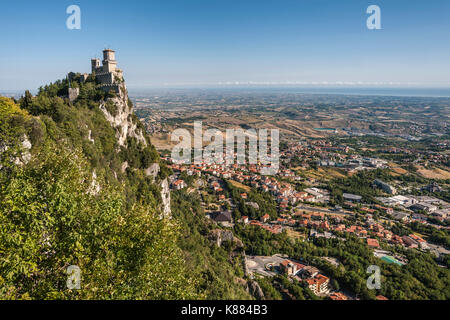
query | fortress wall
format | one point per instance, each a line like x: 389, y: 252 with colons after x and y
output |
x: 106, y: 78
x: 109, y: 87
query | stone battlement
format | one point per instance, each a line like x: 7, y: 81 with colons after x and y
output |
x: 107, y: 74
x: 108, y: 87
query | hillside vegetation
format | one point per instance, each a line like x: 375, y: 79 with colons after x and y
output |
x: 72, y: 194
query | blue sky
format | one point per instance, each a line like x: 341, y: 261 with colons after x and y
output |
x: 207, y: 42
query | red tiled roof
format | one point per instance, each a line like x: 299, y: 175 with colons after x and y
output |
x: 285, y: 262
x: 318, y: 279
x: 373, y: 243
x: 338, y: 296
x: 417, y: 238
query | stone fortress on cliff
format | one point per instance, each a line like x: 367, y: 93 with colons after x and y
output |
x: 107, y: 75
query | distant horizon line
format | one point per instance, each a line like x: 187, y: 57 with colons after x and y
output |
x: 303, y: 86
x: 298, y: 85
x: 324, y: 84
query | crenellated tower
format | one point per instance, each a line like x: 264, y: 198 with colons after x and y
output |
x: 108, y: 75
x: 109, y: 60
x: 95, y: 65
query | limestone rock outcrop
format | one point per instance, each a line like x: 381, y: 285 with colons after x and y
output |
x: 165, y: 196
x: 219, y: 236
x: 122, y: 119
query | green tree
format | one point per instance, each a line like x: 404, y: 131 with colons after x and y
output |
x: 51, y: 218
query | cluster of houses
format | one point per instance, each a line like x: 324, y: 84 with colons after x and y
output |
x: 354, y: 163
x: 325, y: 154
x: 263, y: 223
x: 422, y: 206
x: 403, y: 208
x: 284, y: 192
x: 317, y: 220
x: 317, y: 282
x: 314, y: 279
x: 414, y: 241
x: 322, y: 226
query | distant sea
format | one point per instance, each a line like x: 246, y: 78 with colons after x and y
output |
x: 362, y: 91
x: 366, y: 91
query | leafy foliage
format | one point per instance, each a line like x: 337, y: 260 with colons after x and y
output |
x: 50, y: 219
x: 53, y: 216
x: 214, y: 267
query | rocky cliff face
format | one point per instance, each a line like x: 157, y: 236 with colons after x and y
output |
x: 255, y: 290
x: 24, y: 156
x: 218, y: 236
x: 165, y: 195
x: 123, y: 121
